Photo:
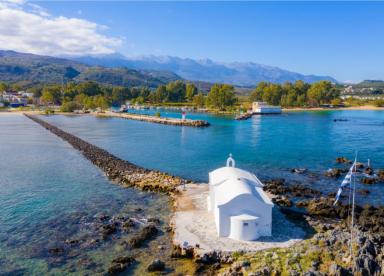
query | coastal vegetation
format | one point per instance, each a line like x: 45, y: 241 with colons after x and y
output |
x: 91, y: 95
x: 297, y: 94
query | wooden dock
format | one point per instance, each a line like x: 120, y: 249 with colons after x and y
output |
x: 157, y: 120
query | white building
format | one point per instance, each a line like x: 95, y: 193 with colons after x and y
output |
x: 241, y: 209
x: 264, y: 108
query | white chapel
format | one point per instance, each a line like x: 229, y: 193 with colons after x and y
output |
x: 241, y: 209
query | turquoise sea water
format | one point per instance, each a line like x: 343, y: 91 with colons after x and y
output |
x: 268, y: 145
x: 48, y: 194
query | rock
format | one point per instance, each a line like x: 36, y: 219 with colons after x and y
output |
x: 335, y: 172
x: 56, y: 250
x: 363, y: 192
x: 366, y: 265
x: 336, y: 270
x: 154, y: 220
x: 120, y: 264
x: 104, y: 217
x: 156, y: 265
x: 380, y: 174
x: 146, y: 233
x: 282, y: 201
x: 108, y: 229
x: 368, y: 170
x: 359, y: 165
x: 302, y: 203
x: 299, y: 170
x: 128, y: 223
x: 321, y: 207
x: 71, y: 242
x: 368, y: 180
x: 343, y: 160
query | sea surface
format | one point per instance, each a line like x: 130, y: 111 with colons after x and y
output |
x: 269, y: 145
x: 50, y: 194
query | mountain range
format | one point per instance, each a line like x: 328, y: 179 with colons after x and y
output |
x: 30, y: 69
x: 151, y: 71
x: 245, y: 74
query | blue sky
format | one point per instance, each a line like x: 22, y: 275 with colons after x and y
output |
x: 341, y: 39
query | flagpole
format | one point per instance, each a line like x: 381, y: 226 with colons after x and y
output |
x: 353, y: 211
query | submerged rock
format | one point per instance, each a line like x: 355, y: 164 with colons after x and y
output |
x: 147, y: 232
x: 363, y: 192
x: 120, y: 264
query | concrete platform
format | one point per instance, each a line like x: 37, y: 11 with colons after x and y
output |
x: 194, y: 225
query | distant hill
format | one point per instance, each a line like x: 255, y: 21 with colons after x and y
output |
x: 237, y: 73
x: 370, y: 83
x: 33, y: 69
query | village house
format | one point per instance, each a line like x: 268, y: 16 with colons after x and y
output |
x: 241, y: 209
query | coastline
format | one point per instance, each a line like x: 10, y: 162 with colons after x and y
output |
x: 363, y: 108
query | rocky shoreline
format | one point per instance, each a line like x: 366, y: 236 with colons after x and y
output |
x: 157, y: 120
x: 119, y: 171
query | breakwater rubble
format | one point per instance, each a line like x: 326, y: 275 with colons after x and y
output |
x: 157, y: 120
x: 120, y: 171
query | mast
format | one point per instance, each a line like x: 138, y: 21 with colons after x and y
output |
x: 353, y: 212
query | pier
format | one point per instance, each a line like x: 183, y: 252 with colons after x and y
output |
x: 157, y: 120
x: 118, y: 170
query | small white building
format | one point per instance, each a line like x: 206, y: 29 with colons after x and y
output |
x: 264, y: 108
x: 241, y: 209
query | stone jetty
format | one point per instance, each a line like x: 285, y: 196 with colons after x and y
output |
x: 157, y: 120
x: 120, y: 171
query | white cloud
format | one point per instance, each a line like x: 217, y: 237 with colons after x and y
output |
x: 29, y: 28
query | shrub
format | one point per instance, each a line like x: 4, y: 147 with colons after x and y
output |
x: 69, y: 107
x: 379, y: 103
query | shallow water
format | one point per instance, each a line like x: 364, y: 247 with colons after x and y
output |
x: 267, y: 145
x: 49, y: 194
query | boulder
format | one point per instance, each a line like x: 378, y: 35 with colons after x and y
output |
x: 368, y: 180
x: 380, y: 174
x: 336, y: 270
x: 299, y: 170
x: 156, y: 265
x: 343, y: 160
x: 335, y: 172
x: 368, y: 170
x: 282, y: 201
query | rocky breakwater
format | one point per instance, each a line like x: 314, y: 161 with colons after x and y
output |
x: 157, y: 120
x: 120, y: 171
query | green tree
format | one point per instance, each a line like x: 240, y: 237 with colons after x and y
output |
x: 272, y: 94
x: 190, y: 91
x: 160, y: 94
x: 51, y: 94
x: 321, y: 92
x: 199, y: 100
x: 3, y: 87
x: 69, y: 106
x: 257, y: 94
x: 176, y: 91
x: 120, y: 94
x: 221, y: 96
x: 100, y: 102
x: 89, y: 88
